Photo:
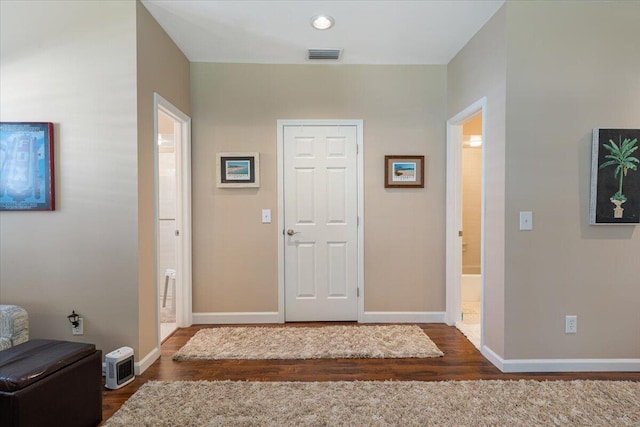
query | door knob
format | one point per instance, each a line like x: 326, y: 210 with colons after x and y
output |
x: 290, y: 232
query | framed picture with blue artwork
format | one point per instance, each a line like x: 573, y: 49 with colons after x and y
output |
x: 238, y: 170
x: 26, y: 166
x: 615, y: 178
x: 404, y: 171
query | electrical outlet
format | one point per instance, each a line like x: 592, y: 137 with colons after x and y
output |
x: 571, y: 324
x: 78, y: 330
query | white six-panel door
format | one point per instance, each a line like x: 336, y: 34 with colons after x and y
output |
x: 320, y: 218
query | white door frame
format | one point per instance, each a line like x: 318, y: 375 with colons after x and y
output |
x: 360, y: 177
x: 454, y: 212
x: 184, y: 313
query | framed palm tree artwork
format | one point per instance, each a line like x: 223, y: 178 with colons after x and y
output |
x: 615, y: 178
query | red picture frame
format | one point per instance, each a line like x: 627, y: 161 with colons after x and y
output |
x: 26, y: 166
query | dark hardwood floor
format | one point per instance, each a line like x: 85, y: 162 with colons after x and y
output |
x: 462, y: 361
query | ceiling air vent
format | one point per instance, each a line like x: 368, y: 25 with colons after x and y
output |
x: 324, y: 54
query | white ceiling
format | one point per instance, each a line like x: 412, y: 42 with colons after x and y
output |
x: 279, y: 32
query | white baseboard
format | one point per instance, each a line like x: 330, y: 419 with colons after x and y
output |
x: 235, y: 318
x: 142, y: 365
x: 403, y: 317
x: 561, y: 365
x: 493, y: 357
x: 274, y: 317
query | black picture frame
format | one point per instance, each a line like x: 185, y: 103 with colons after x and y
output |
x: 238, y: 170
x: 615, y: 177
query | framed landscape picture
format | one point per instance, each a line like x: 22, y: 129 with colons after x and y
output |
x: 404, y: 171
x: 238, y: 170
x: 26, y: 166
x: 615, y: 178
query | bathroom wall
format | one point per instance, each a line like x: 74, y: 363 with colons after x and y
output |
x: 166, y: 201
x: 471, y: 198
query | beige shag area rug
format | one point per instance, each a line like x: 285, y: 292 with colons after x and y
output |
x: 326, y: 342
x: 391, y: 403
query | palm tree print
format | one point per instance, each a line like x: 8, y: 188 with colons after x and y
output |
x: 620, y: 157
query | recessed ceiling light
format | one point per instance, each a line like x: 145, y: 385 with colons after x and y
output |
x: 322, y: 22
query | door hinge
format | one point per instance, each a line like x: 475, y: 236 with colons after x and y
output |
x: 357, y: 149
x: 358, y: 221
x: 358, y: 292
x: 177, y: 233
x: 460, y: 233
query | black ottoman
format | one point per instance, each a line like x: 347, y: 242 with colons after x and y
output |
x: 51, y: 383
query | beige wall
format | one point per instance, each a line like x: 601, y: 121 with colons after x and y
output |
x: 581, y: 72
x: 164, y: 69
x: 81, y: 76
x: 471, y: 197
x: 95, y: 253
x: 479, y: 70
x: 235, y: 108
x: 471, y: 209
x: 473, y: 126
x: 558, y: 84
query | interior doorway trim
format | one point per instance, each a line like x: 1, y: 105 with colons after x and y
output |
x: 183, y: 212
x: 454, y: 213
x: 360, y: 200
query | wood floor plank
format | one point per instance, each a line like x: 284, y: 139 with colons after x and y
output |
x: 462, y: 361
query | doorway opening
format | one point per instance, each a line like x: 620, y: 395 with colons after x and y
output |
x: 465, y: 221
x: 173, y: 217
x: 471, y: 280
x: 167, y: 204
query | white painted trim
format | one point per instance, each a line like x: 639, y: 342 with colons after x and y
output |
x: 453, y: 223
x: 572, y: 365
x: 274, y: 317
x: 561, y: 365
x: 359, y: 124
x: 360, y: 167
x: 140, y: 366
x: 403, y: 317
x: 183, y: 216
x: 454, y: 213
x: 236, y: 318
x: 280, y: 230
x: 492, y: 357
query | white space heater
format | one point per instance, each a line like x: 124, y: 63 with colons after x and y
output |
x: 119, y: 368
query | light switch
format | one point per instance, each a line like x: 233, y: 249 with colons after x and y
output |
x: 266, y: 216
x: 526, y: 221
